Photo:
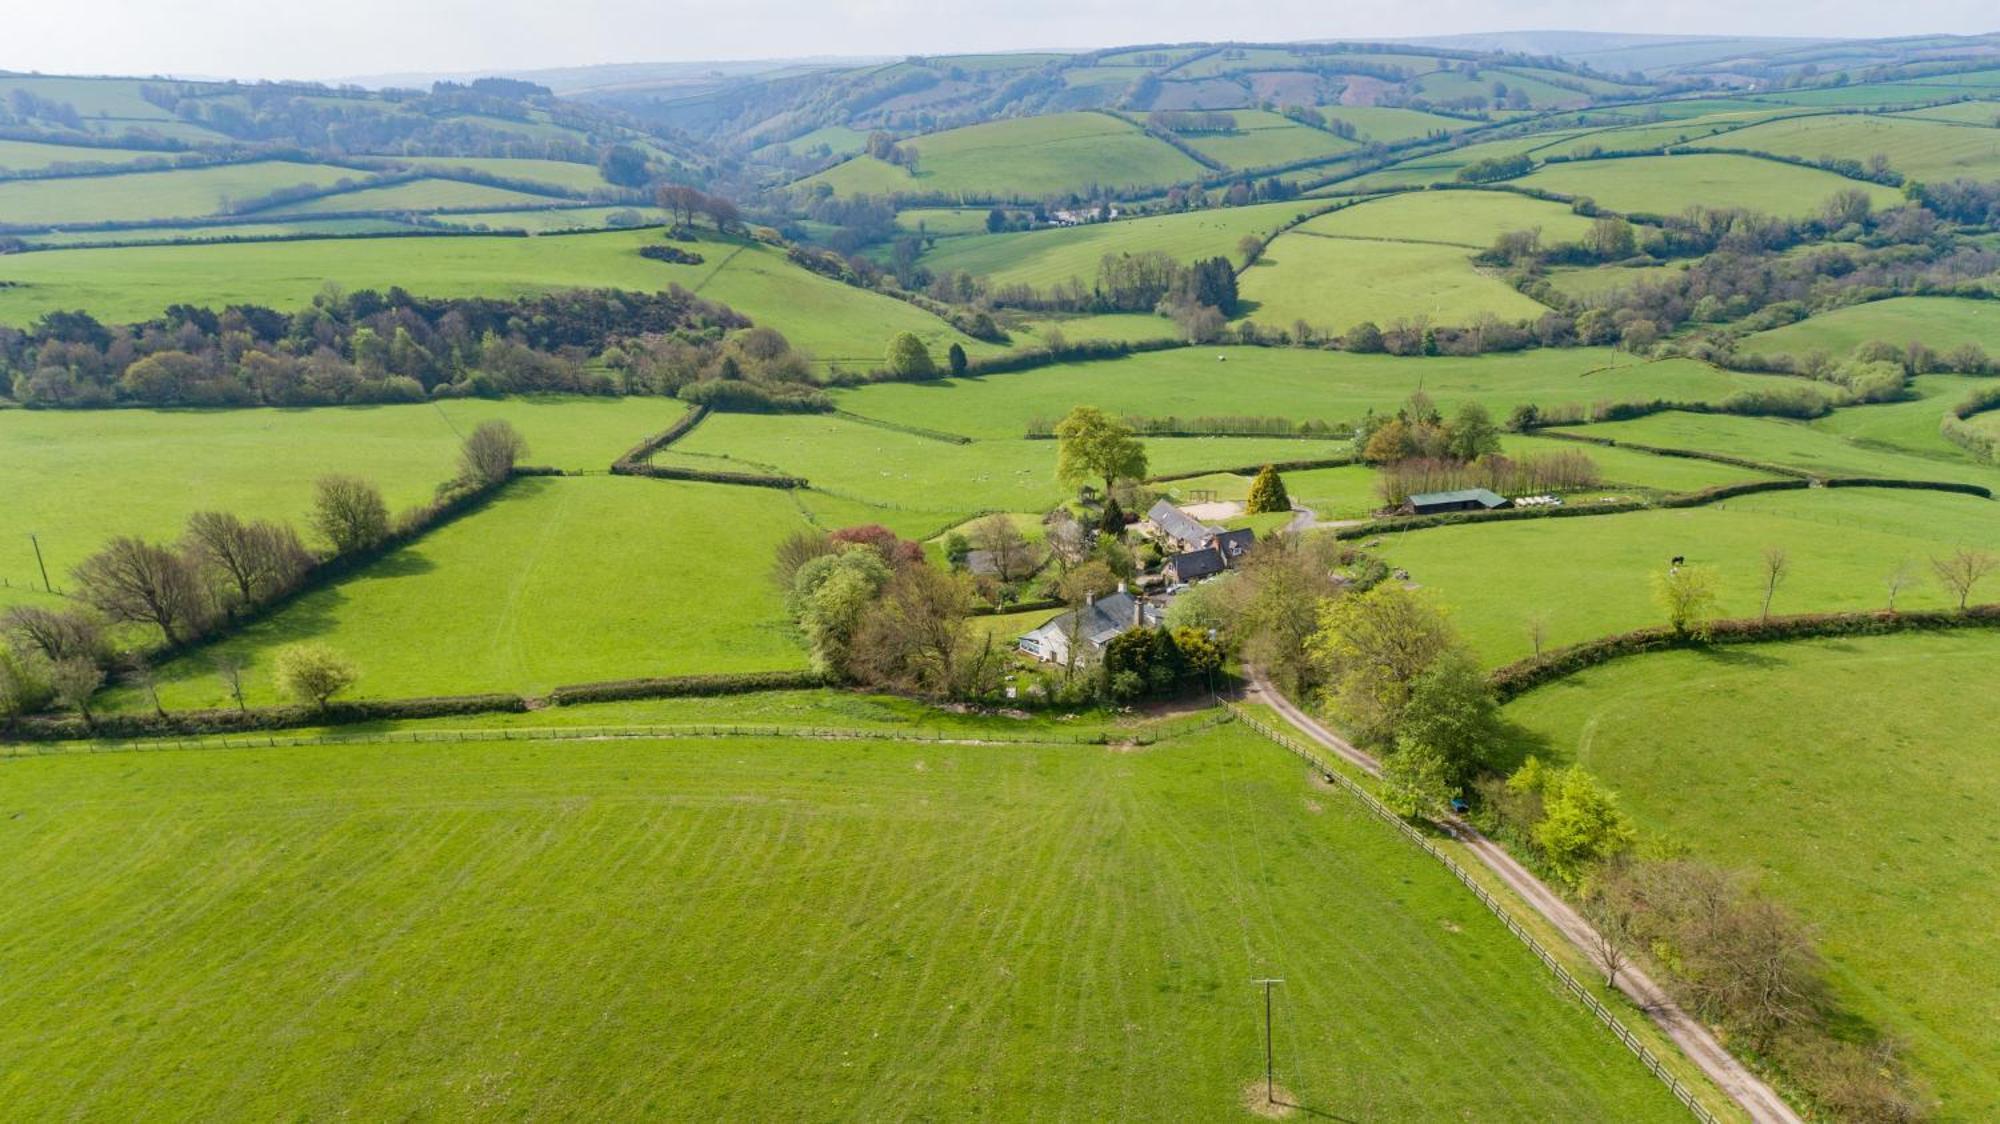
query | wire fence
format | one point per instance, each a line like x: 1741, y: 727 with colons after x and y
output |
x: 1149, y: 735
x: 1604, y: 1014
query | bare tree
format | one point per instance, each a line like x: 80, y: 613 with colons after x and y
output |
x: 1963, y: 569
x: 491, y: 452
x: 1613, y: 931
x: 1005, y: 545
x: 1069, y: 540
x: 74, y: 682
x: 1777, y: 566
x: 229, y: 667
x: 250, y: 561
x: 1899, y: 579
x: 1538, y: 630
x: 915, y: 636
x: 138, y: 582
x: 58, y: 634
x: 349, y: 513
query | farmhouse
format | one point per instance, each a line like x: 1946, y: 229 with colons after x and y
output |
x: 1101, y: 620
x: 1225, y: 549
x: 1465, y: 499
x: 1177, y: 527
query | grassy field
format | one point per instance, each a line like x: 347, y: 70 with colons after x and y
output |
x: 1264, y: 139
x: 886, y: 467
x: 1853, y: 776
x: 1300, y: 384
x: 1591, y: 576
x: 557, y: 173
x: 1333, y: 284
x: 182, y: 193
x: 78, y: 477
x: 1701, y: 130
x: 1909, y: 427
x: 1442, y: 167
x: 546, y: 221
x: 1047, y: 257
x: 1387, y: 123
x: 1668, y: 185
x: 220, y: 232
x: 28, y: 156
x: 1922, y: 150
x: 1021, y: 158
x: 832, y: 320
x: 417, y: 195
x: 1589, y: 283
x: 1462, y: 218
x: 878, y: 930
x: 557, y: 581
x: 1985, y: 113
x: 1821, y: 447
x: 1941, y: 322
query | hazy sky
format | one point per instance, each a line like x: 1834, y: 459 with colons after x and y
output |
x: 334, y: 38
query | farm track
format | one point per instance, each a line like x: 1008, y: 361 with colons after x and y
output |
x: 1749, y: 1091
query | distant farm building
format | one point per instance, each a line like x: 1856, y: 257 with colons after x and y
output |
x: 1465, y: 499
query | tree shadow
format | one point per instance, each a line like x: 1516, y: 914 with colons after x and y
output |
x: 1739, y: 657
x: 1247, y: 308
x: 1514, y: 743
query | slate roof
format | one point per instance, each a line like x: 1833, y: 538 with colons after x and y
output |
x: 1235, y: 544
x: 1103, y: 619
x: 1196, y: 564
x: 1177, y: 524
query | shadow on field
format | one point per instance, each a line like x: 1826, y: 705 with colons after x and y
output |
x: 1742, y: 658
x: 1514, y: 743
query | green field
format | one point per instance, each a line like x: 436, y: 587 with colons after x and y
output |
x: 1853, y: 775
x: 1702, y: 130
x: 546, y: 221
x: 886, y: 467
x: 1591, y: 576
x: 943, y: 222
x: 1332, y: 386
x: 1909, y: 427
x: 1590, y: 283
x: 220, y: 232
x: 28, y: 156
x: 1942, y: 323
x: 1387, y: 123
x: 1462, y: 218
x: 557, y: 581
x: 1021, y: 158
x: 1921, y: 150
x: 1985, y: 113
x: 1043, y: 258
x: 78, y: 477
x: 557, y: 173
x: 1442, y: 167
x: 183, y: 193
x: 1820, y: 447
x: 873, y: 930
x: 417, y: 195
x: 835, y: 322
x: 1668, y: 185
x: 1333, y: 284
x: 1264, y: 139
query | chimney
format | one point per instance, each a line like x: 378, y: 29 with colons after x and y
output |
x: 1138, y: 613
x: 1089, y: 600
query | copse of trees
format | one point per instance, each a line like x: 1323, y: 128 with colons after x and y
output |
x: 346, y: 347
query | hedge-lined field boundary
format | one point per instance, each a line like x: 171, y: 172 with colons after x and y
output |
x: 638, y: 454
x: 195, y: 723
x: 1341, y: 461
x: 1518, y: 678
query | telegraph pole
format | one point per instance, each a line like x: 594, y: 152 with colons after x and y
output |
x: 1270, y: 1079
x: 46, y: 587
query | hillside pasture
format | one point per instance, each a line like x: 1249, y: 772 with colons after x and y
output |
x: 863, y: 930
x: 1668, y: 185
x: 1389, y: 124
x: 418, y: 195
x: 1590, y: 576
x: 835, y: 322
x: 558, y: 580
x: 76, y: 478
x: 34, y: 156
x: 182, y: 193
x: 1986, y: 113
x: 1334, y: 283
x: 555, y: 173
x: 1300, y: 384
x: 1263, y: 139
x: 220, y: 232
x: 1022, y: 158
x: 1044, y: 258
x: 1942, y: 323
x: 886, y: 467
x: 1921, y: 150
x: 1849, y: 775
x: 1472, y: 219
x: 1912, y: 426
x: 549, y: 220
x: 1819, y: 447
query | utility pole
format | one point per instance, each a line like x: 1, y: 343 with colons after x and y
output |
x: 1270, y: 1080
x: 46, y: 587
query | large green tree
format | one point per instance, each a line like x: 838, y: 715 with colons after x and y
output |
x: 1091, y: 445
x: 1267, y: 493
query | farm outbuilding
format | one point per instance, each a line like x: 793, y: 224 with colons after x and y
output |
x: 1464, y: 499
